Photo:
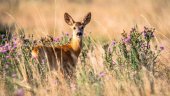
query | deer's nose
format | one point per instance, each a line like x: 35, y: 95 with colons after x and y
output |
x: 79, y: 33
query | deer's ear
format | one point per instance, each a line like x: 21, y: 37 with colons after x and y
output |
x: 68, y: 19
x: 87, y: 19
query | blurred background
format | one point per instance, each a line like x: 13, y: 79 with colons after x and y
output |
x: 109, y: 17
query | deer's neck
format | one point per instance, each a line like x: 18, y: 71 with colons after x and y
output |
x: 76, y: 44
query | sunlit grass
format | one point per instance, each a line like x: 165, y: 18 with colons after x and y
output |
x: 113, y: 62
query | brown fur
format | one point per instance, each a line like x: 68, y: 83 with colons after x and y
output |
x: 66, y: 55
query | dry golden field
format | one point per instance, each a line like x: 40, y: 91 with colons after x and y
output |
x: 109, y: 19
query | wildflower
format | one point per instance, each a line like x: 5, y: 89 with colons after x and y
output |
x: 113, y: 43
x: 15, y: 38
x: 8, y: 56
x: 148, y: 46
x: 102, y: 74
x: 15, y: 46
x: 113, y: 62
x: 14, y: 75
x: 43, y: 61
x: 7, y: 44
x: 3, y: 49
x: 127, y: 39
x: 20, y: 92
x: 16, y: 42
x: 7, y: 47
x: 56, y: 39
x: 148, y: 33
x: 143, y: 45
x: 144, y: 33
x: 2, y: 35
x: 162, y: 48
x: 67, y: 34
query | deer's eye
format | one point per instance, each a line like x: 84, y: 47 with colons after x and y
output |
x: 82, y: 27
x: 74, y: 28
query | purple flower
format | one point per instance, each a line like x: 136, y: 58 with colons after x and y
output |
x: 8, y: 56
x: 67, y: 34
x: 15, y: 46
x: 7, y: 47
x: 56, y: 39
x: 148, y: 33
x: 7, y: 44
x: 20, y: 92
x: 162, y: 48
x: 14, y: 75
x: 145, y: 34
x: 2, y: 35
x: 15, y: 43
x: 127, y: 39
x: 43, y: 61
x: 15, y: 38
x: 113, y: 43
x: 3, y: 50
x: 113, y: 62
x: 102, y: 74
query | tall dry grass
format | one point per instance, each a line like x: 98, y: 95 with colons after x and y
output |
x: 109, y: 19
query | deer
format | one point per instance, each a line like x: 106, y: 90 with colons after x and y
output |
x: 66, y: 56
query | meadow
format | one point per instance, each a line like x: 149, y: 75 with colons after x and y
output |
x: 125, y: 47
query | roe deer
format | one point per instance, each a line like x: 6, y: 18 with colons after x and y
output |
x: 66, y: 55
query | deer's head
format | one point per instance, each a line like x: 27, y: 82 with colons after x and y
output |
x: 77, y: 27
